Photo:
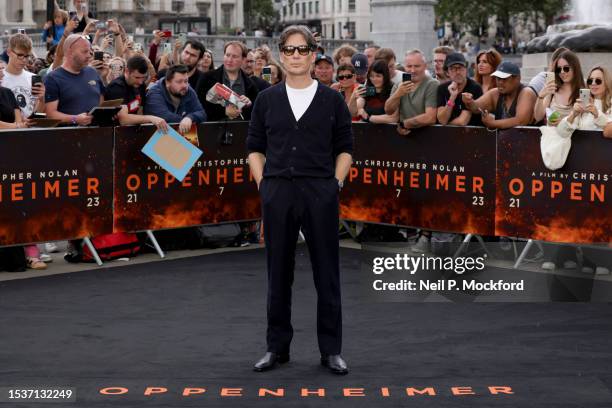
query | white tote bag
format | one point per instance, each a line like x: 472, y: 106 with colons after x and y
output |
x: 554, y: 147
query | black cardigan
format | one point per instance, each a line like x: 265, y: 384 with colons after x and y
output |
x: 308, y: 147
x: 217, y: 112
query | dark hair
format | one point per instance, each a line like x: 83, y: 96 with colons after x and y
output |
x: 137, y: 63
x: 297, y: 29
x: 196, y: 45
x: 176, y: 69
x: 381, y: 67
x: 345, y: 67
x: 577, y: 80
x: 212, y: 59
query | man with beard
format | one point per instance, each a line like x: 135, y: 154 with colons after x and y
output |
x: 172, y: 99
x: 231, y: 75
x: 510, y: 104
x: 451, y: 109
x: 192, y: 53
x: 75, y: 88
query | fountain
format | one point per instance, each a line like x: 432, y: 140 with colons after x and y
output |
x: 589, y: 34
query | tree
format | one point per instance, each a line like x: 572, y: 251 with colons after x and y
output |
x: 470, y: 15
x: 259, y: 13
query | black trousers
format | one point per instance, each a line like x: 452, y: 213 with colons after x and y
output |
x: 312, y: 205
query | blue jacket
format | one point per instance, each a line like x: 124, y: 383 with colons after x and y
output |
x: 57, y: 34
x: 159, y: 104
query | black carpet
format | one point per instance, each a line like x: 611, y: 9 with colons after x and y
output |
x: 200, y: 322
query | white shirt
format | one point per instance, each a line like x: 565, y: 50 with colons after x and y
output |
x: 397, y: 78
x: 21, y: 86
x: 300, y: 99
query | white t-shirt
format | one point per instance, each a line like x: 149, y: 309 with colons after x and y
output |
x: 300, y: 99
x: 21, y: 86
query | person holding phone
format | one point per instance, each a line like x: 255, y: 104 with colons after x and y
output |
x: 557, y: 98
x: 594, y: 112
x: 370, y: 102
x: 415, y: 97
x: 73, y: 89
x: 28, y: 88
x: 300, y: 145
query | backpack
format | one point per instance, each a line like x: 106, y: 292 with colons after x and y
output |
x: 113, y: 246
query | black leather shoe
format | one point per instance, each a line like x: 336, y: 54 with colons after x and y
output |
x: 269, y: 361
x: 335, y: 363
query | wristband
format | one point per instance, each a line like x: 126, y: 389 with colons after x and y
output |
x: 450, y: 104
x: 73, y: 120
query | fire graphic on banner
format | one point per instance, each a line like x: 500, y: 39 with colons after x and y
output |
x: 57, y: 187
x: 411, y: 181
x: 218, y: 189
x: 567, y: 205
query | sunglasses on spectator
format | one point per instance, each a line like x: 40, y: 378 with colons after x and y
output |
x: 565, y: 69
x: 597, y: 81
x: 347, y: 76
x: 289, y: 50
x: 85, y: 37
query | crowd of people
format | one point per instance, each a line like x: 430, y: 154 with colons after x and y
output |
x: 167, y: 81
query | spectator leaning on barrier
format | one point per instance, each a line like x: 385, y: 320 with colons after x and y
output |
x: 557, y: 98
x: 416, y: 99
x: 324, y: 69
x: 172, y: 99
x: 75, y: 88
x: 538, y: 82
x: 371, y: 98
x: 131, y: 88
x: 511, y: 103
x: 598, y: 110
x: 10, y: 113
x: 191, y: 53
x: 231, y: 75
x: 439, y: 56
x: 451, y: 109
x: 388, y: 56
x: 486, y: 64
x: 29, y: 98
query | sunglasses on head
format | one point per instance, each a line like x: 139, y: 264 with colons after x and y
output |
x: 597, y: 81
x: 565, y: 69
x: 289, y: 50
x: 347, y: 76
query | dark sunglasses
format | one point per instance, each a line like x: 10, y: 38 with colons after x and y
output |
x: 597, y: 81
x: 289, y: 50
x: 347, y: 76
x: 565, y: 69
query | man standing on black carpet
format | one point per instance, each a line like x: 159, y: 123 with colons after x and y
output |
x: 300, y: 143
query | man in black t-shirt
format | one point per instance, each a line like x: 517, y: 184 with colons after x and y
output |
x: 131, y: 88
x: 451, y: 109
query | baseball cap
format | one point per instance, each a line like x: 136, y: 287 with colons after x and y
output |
x: 360, y: 62
x: 323, y: 57
x: 507, y: 69
x: 454, y: 58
